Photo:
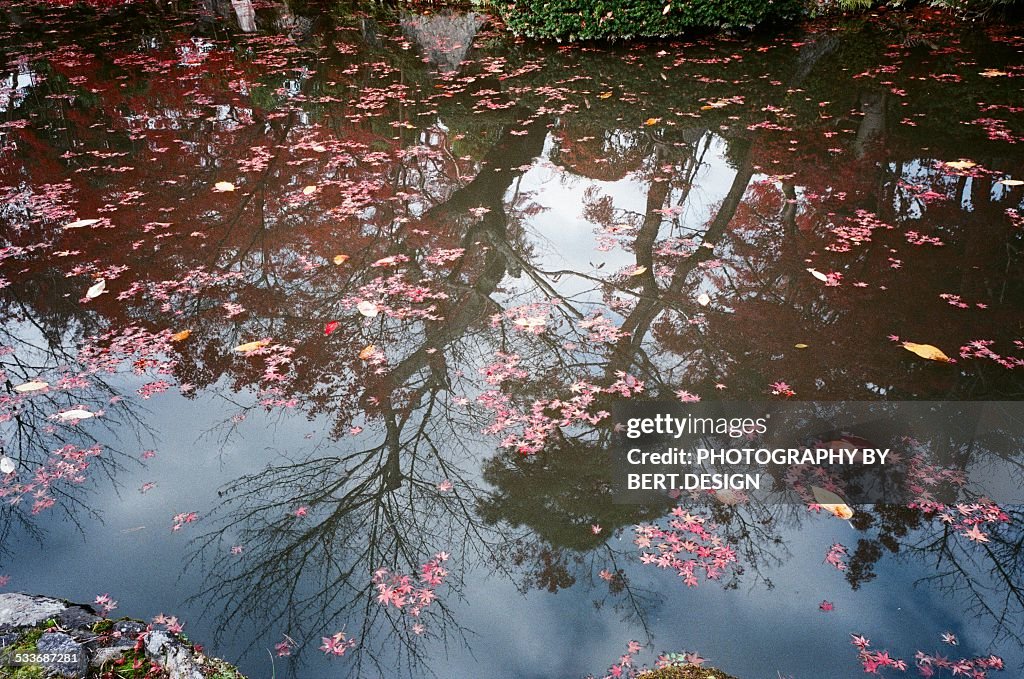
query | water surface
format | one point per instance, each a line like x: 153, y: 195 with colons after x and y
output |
x: 534, y: 232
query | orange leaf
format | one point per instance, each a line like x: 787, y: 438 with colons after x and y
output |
x: 180, y: 336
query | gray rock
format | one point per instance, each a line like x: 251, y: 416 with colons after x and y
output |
x: 102, y: 656
x: 76, y: 664
x: 77, y: 617
x: 19, y: 610
x: 178, y: 660
x: 124, y: 633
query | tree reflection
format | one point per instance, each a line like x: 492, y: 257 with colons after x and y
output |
x: 487, y: 361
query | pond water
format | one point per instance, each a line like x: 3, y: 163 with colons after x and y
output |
x: 317, y: 293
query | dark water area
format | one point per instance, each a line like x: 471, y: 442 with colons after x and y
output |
x: 317, y: 292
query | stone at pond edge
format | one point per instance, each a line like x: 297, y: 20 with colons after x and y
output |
x: 179, y: 661
x: 19, y: 610
x: 127, y: 631
x: 63, y: 645
x: 77, y: 617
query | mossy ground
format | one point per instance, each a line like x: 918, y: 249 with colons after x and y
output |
x: 687, y: 672
x: 122, y: 668
x: 26, y: 644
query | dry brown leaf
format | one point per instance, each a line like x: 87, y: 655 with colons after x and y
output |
x: 34, y: 385
x: 76, y: 414
x: 96, y: 289
x: 368, y: 308
x: 80, y: 223
x: 367, y: 352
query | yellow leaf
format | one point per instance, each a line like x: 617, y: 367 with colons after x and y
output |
x: 703, y: 299
x: 666, y: 10
x: 832, y: 503
x: 800, y: 346
x: 961, y: 164
x: 817, y: 274
x: 604, y: 95
x: 340, y: 259
x: 367, y: 352
x: 251, y: 346
x: 1010, y: 182
x: 992, y: 73
x: 639, y: 271
x: 223, y: 186
x: 180, y: 336
x: 932, y: 353
x: 652, y: 121
x: 308, y: 190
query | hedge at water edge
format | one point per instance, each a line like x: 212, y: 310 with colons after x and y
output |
x: 623, y: 19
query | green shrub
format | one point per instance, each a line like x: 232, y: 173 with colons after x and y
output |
x: 981, y: 9
x: 971, y: 9
x: 604, y: 19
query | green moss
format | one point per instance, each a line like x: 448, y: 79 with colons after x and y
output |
x: 222, y: 670
x: 25, y: 672
x: 26, y: 644
x: 103, y: 626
